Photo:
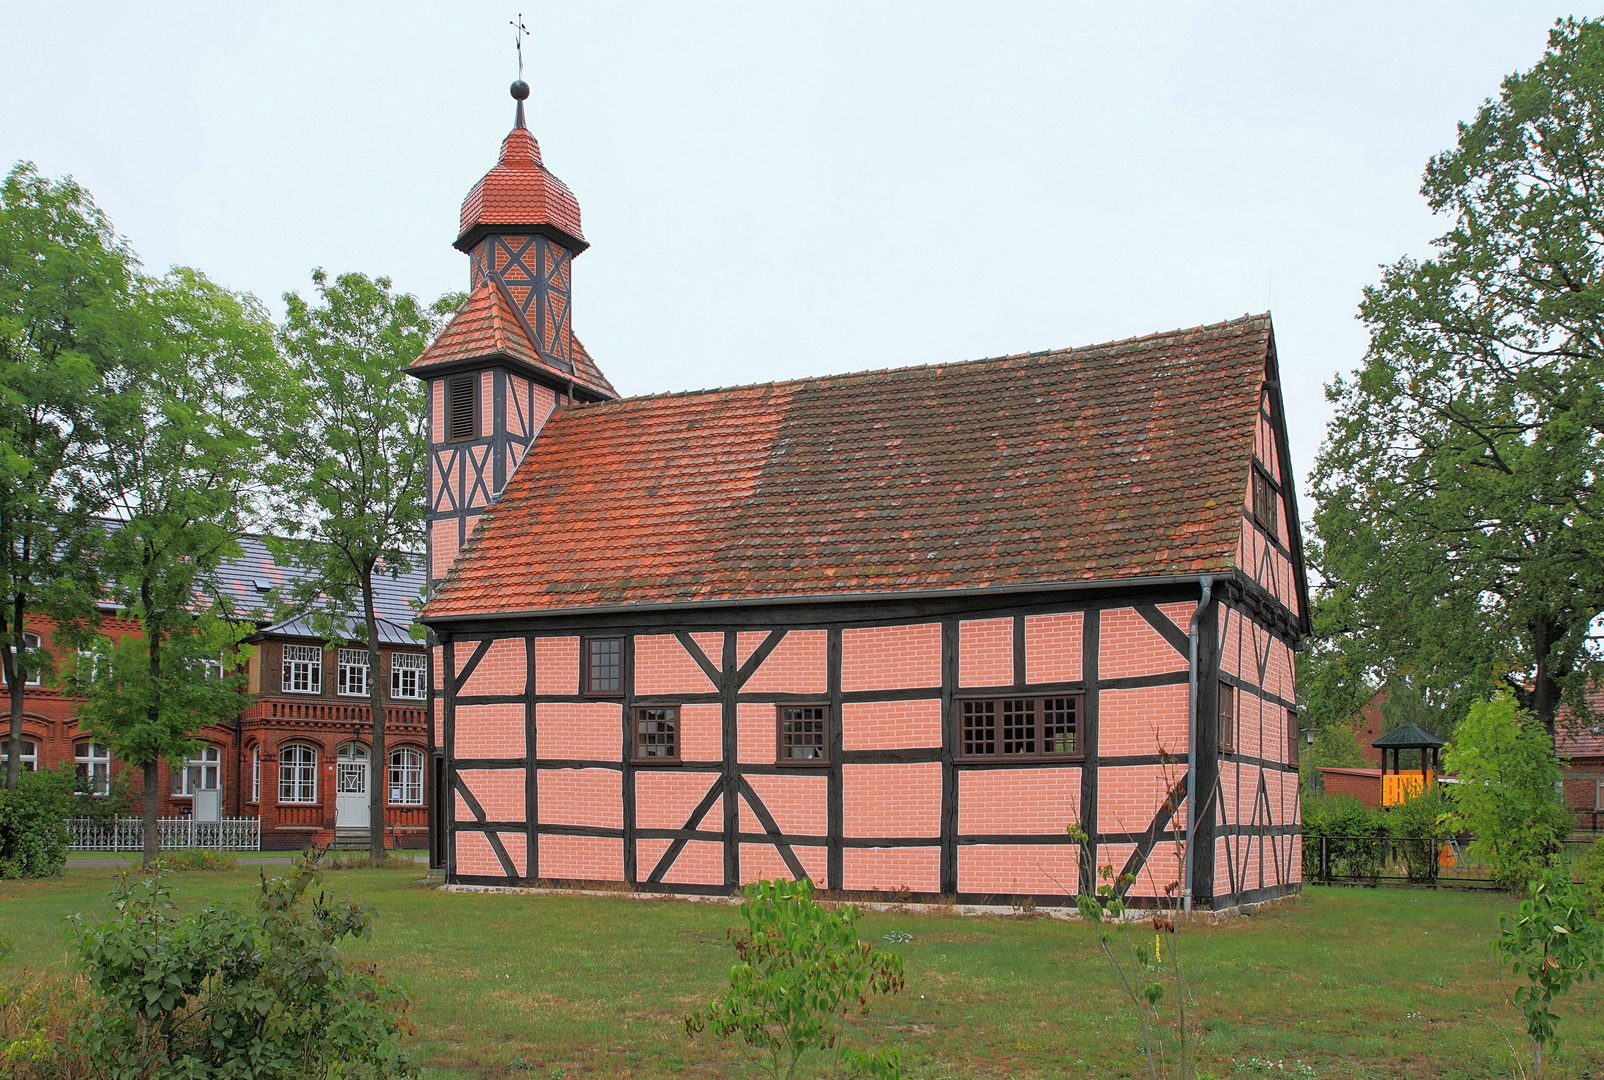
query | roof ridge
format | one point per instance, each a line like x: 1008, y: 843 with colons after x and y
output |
x: 1242, y: 320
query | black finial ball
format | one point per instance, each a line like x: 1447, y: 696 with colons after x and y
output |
x: 520, y: 90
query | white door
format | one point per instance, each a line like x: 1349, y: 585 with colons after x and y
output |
x: 351, y: 787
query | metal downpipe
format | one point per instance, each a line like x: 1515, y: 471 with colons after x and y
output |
x: 1191, y: 735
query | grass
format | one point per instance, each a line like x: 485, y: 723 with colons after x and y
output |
x: 1343, y: 982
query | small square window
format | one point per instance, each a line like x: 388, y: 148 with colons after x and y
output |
x: 804, y: 735
x: 657, y: 733
x: 604, y: 666
x: 1227, y: 719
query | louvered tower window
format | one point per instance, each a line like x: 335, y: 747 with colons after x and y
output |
x: 462, y: 415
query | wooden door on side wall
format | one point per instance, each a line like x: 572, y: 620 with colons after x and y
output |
x: 351, y: 787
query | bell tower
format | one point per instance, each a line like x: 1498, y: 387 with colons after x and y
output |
x: 509, y: 357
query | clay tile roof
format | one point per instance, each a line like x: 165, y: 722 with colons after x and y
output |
x: 1573, y: 740
x: 486, y: 326
x: 519, y: 191
x: 1126, y: 460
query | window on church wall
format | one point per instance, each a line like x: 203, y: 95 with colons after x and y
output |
x: 1227, y: 719
x: 1264, y: 502
x: 93, y: 761
x: 656, y: 733
x: 604, y: 666
x: 462, y: 408
x: 29, y: 756
x: 353, y: 672
x: 1021, y: 727
x: 804, y: 735
x: 303, y: 669
x: 407, y: 676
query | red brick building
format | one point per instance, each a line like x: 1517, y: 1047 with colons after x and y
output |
x: 1581, y: 758
x: 297, y: 755
x: 892, y: 631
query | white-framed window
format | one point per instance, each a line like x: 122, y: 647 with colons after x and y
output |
x: 29, y: 758
x: 94, y: 661
x: 30, y: 641
x: 1598, y: 800
x: 94, y: 767
x: 256, y: 773
x: 407, y: 675
x: 202, y: 772
x: 353, y: 677
x: 297, y: 774
x: 213, y: 668
x: 406, y: 777
x: 303, y: 669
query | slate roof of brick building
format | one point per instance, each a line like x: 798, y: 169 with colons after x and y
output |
x: 485, y: 326
x: 519, y: 191
x: 1117, y: 461
x: 252, y: 580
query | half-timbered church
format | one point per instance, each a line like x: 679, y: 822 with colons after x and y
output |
x: 892, y: 630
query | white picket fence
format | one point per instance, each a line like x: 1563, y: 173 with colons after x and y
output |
x: 128, y: 834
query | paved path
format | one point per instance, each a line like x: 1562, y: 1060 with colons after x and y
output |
x: 92, y: 860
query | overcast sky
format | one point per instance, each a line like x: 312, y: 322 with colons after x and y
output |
x: 776, y: 191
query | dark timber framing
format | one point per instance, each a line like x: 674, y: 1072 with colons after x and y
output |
x: 728, y: 776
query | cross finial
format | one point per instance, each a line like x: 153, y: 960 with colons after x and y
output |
x: 520, y: 89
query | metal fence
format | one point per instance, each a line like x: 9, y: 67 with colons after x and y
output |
x: 128, y: 834
x: 1394, y: 860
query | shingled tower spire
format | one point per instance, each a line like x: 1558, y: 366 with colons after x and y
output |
x: 509, y: 357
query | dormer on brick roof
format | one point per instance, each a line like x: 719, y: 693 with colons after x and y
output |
x: 509, y: 356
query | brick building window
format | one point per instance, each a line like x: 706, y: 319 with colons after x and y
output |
x: 462, y: 408
x: 201, y: 772
x: 29, y: 756
x: 93, y: 760
x: 1227, y: 718
x: 30, y: 641
x: 256, y: 773
x: 352, y: 676
x: 407, y: 675
x: 297, y: 774
x: 1264, y: 501
x: 1292, y: 737
x: 1598, y: 796
x: 1021, y: 727
x: 804, y: 735
x: 303, y: 669
x: 406, y: 777
x: 604, y: 666
x: 657, y: 733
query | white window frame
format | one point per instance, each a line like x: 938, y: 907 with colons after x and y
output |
x: 210, y: 763
x: 29, y: 756
x: 1598, y: 795
x: 408, y: 668
x: 256, y: 773
x: 30, y: 640
x: 297, y: 775
x: 97, y: 657
x: 303, y: 669
x: 213, y: 668
x: 93, y: 760
x: 353, y: 669
x: 405, y: 776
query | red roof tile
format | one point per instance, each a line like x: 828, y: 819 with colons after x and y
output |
x: 520, y: 191
x: 1572, y: 740
x: 1114, y: 461
x: 486, y: 326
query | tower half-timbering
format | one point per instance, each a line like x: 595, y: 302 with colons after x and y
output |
x: 509, y: 357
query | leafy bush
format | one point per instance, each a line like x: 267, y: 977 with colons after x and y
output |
x: 1423, y: 820
x: 33, y: 825
x: 236, y: 990
x: 1341, y: 815
x: 802, y: 969
x: 1506, y: 792
x: 1591, y: 869
x: 1554, y: 944
x: 198, y: 859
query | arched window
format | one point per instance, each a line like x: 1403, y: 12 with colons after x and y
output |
x: 406, y: 777
x: 256, y: 773
x: 297, y: 774
x: 94, y: 767
x: 30, y: 754
x: 203, y: 771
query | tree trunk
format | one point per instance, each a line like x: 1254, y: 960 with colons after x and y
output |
x: 16, y: 685
x: 1545, y: 688
x: 152, y: 847
x: 379, y: 778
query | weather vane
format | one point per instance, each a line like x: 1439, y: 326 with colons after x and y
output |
x: 522, y: 32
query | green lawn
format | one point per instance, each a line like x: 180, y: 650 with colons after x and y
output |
x: 1350, y: 982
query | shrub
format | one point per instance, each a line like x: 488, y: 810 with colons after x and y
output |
x: 236, y: 990
x: 33, y: 825
x: 1422, y: 820
x: 1506, y: 792
x: 1341, y: 815
x: 1553, y: 943
x: 1591, y: 869
x: 198, y: 859
x: 801, y: 970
